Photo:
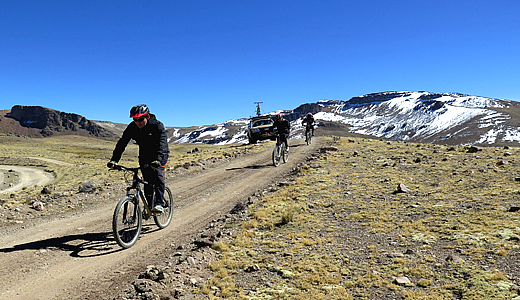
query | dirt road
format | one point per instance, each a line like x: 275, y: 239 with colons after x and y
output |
x: 77, y: 258
x: 15, y: 178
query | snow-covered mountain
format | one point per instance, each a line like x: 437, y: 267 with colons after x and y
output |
x: 444, y: 118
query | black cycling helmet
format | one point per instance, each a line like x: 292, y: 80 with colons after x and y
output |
x: 139, y: 110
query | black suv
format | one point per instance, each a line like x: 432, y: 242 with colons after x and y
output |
x: 260, y: 128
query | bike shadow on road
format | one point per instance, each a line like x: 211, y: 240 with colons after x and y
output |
x: 251, y: 167
x: 79, y: 245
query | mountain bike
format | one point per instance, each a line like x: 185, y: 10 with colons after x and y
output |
x: 308, y: 134
x: 127, y: 221
x: 280, y: 152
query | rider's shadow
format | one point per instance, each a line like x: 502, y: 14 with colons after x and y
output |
x: 79, y: 245
x: 251, y: 167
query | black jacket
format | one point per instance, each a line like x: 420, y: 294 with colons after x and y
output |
x: 152, y: 141
x: 308, y: 120
x: 282, y: 126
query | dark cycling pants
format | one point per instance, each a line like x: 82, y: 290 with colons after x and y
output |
x: 155, y: 178
x: 283, y: 139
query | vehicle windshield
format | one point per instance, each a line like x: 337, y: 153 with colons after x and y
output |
x: 262, y: 123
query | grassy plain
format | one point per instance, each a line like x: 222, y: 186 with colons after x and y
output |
x: 343, y: 230
x: 80, y: 159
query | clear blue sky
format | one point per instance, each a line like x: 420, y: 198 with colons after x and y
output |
x: 204, y: 62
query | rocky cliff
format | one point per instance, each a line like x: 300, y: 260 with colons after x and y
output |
x: 51, y: 122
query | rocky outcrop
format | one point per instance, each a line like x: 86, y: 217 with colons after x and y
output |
x: 52, y: 122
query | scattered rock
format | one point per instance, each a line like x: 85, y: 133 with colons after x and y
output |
x: 89, y: 187
x: 38, y: 205
x: 403, y: 281
x: 514, y: 239
x: 144, y: 285
x: 395, y: 255
x: 454, y: 258
x: 153, y: 273
x: 191, y: 260
x: 514, y: 208
x: 328, y: 148
x: 401, y: 188
x: 252, y: 268
x: 502, y: 162
x: 473, y: 149
x: 46, y: 191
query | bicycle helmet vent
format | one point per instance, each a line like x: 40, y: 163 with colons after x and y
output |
x: 139, y: 110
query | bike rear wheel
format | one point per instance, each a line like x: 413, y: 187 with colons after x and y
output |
x: 277, y: 155
x: 163, y: 219
x: 127, y: 221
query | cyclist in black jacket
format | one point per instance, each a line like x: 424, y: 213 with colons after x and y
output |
x: 283, y: 128
x: 309, y: 120
x: 150, y: 134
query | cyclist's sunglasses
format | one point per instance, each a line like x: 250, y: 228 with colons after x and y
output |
x: 139, y: 119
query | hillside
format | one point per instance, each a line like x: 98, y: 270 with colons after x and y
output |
x: 37, y: 121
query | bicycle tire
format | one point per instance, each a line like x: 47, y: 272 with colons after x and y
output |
x: 276, y: 155
x: 163, y: 219
x: 285, y: 154
x: 309, y: 138
x: 127, y: 221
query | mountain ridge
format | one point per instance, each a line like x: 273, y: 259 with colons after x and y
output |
x: 442, y: 118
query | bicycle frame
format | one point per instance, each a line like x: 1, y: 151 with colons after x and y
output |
x: 136, y: 185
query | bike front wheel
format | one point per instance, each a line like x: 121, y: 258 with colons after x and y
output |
x: 285, y: 154
x: 277, y: 155
x: 309, y: 137
x: 127, y: 221
x: 163, y: 219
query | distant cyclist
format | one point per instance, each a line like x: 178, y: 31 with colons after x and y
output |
x: 283, y: 127
x: 309, y: 120
x: 150, y: 135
